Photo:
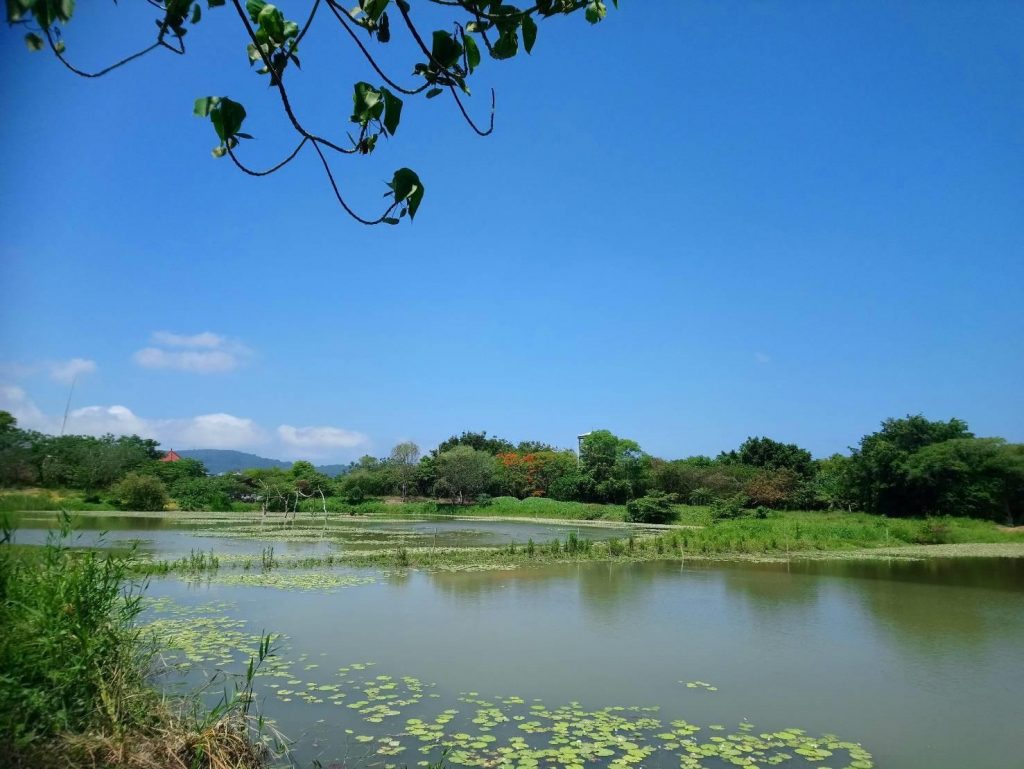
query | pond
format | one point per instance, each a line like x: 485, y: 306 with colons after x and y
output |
x: 901, y: 664
x: 173, y: 536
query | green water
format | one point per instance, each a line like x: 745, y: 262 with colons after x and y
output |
x: 918, y: 662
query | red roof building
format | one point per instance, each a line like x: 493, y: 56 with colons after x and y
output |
x: 171, y: 456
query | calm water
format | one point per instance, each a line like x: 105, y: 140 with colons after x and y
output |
x: 918, y: 661
x: 168, y: 538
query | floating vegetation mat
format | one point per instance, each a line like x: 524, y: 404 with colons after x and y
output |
x: 285, y: 580
x: 374, y: 719
x: 513, y: 733
x: 200, y: 636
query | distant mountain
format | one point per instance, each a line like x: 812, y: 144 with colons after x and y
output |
x: 219, y: 461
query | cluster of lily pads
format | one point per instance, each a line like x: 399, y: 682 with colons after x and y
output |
x: 287, y: 580
x: 511, y: 733
x: 700, y: 685
x: 198, y: 636
x: 372, y: 714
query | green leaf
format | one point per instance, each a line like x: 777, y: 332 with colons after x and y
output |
x: 215, y: 3
x: 392, y: 111
x: 406, y: 186
x: 227, y: 117
x: 506, y: 46
x: 204, y: 104
x: 373, y: 8
x: 254, y: 7
x: 272, y: 20
x: 434, y: 92
x: 34, y: 42
x: 197, y: 13
x: 366, y: 104
x: 445, y: 49
x: 529, y: 33
x: 472, y: 53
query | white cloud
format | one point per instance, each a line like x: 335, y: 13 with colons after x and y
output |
x: 205, y: 339
x: 99, y: 420
x: 16, y: 402
x: 67, y: 371
x: 215, y: 431
x: 199, y: 362
x: 204, y: 353
x: 205, y: 431
x: 762, y: 358
x: 319, y: 440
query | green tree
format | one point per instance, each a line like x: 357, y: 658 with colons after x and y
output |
x: 404, y: 458
x: 878, y: 469
x: 446, y: 58
x: 616, y: 467
x: 137, y: 491
x: 463, y: 473
x: 16, y: 455
x: 481, y: 441
x: 768, y: 454
x: 980, y: 477
x: 831, y: 484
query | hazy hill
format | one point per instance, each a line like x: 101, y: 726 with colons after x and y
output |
x: 219, y: 461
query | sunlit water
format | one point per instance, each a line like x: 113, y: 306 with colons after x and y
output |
x: 917, y: 661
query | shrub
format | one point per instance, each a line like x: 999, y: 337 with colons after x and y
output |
x: 656, y: 507
x: 729, y: 508
x: 141, y: 492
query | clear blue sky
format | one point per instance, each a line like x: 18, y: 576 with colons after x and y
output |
x: 695, y: 222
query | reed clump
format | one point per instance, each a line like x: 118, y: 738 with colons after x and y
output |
x: 76, y: 672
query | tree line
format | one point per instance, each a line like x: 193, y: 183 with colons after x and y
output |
x: 911, y: 466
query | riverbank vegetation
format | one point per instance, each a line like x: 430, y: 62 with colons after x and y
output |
x: 76, y: 684
x: 911, y: 467
x: 793, y: 535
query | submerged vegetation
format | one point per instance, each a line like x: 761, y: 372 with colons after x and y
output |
x: 75, y: 687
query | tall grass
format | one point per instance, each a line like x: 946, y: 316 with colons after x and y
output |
x: 75, y: 671
x: 48, y: 501
x: 71, y: 655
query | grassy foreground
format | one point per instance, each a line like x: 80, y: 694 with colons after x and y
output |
x: 75, y: 672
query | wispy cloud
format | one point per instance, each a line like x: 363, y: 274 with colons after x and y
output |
x: 203, y: 353
x: 68, y: 370
x: 63, y: 371
x: 204, y: 339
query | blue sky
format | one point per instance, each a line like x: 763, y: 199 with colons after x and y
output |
x: 694, y: 222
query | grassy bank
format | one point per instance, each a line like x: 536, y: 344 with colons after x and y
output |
x: 75, y: 688
x: 51, y: 500
x: 789, y: 535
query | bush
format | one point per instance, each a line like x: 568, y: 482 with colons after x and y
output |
x: 729, y: 508
x: 200, y: 494
x: 141, y: 492
x: 656, y: 507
